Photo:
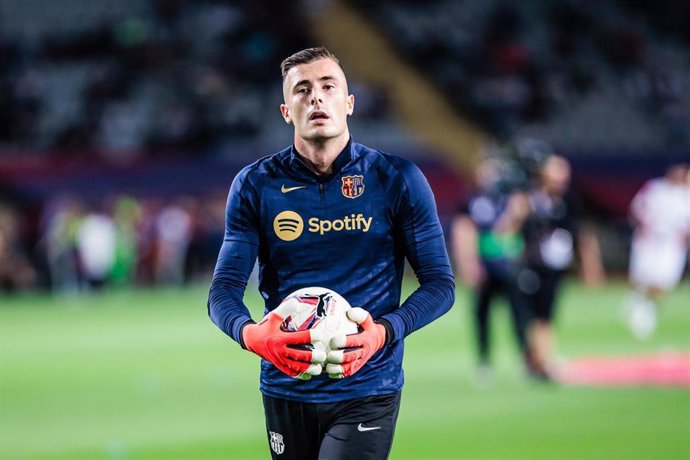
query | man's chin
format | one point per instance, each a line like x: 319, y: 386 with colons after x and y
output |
x: 319, y: 135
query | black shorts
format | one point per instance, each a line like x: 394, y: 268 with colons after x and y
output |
x: 543, y: 299
x: 359, y: 428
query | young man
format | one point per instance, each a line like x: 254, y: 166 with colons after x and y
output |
x: 488, y: 246
x: 329, y: 212
x: 660, y: 212
x: 553, y: 236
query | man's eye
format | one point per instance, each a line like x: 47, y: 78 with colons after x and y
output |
x: 329, y: 86
x: 303, y: 90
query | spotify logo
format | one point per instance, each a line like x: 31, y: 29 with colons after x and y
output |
x: 288, y: 225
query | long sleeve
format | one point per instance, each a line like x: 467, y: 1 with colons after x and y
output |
x: 422, y: 237
x: 235, y: 261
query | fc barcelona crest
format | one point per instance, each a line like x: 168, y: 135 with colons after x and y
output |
x: 353, y: 186
x: 277, y: 442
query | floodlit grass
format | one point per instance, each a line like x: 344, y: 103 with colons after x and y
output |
x: 146, y: 375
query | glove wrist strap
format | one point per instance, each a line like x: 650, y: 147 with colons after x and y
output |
x: 390, y: 334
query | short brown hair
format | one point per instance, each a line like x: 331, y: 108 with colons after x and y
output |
x: 307, y: 56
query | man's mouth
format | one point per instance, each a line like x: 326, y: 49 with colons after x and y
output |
x: 318, y: 115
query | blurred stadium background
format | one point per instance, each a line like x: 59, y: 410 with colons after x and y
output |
x: 122, y: 123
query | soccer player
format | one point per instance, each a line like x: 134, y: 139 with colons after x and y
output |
x: 553, y: 235
x: 661, y: 214
x: 330, y: 212
x: 488, y: 248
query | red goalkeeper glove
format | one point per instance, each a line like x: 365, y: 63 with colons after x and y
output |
x: 281, y: 348
x: 350, y: 352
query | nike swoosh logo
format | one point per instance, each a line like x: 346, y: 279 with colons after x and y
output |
x: 367, y: 428
x: 285, y: 189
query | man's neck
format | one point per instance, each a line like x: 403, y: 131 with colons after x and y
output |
x: 320, y: 154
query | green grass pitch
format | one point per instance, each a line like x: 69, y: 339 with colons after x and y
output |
x: 146, y: 375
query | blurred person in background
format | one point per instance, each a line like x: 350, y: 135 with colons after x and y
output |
x: 174, y: 233
x: 660, y: 213
x: 126, y: 217
x: 553, y: 234
x: 209, y: 221
x: 488, y: 249
x: 96, y: 241
x: 147, y: 239
x: 60, y: 223
x: 382, y: 212
x: 16, y: 271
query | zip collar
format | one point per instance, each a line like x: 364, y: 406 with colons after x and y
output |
x: 344, y: 157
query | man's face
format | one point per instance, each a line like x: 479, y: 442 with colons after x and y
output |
x: 316, y: 100
x: 556, y: 175
x: 678, y: 174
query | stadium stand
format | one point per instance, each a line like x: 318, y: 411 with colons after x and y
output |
x: 580, y: 75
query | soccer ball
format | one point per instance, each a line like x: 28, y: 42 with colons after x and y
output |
x: 322, y: 309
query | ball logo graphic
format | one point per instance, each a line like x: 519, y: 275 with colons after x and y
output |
x: 318, y: 308
x: 288, y: 225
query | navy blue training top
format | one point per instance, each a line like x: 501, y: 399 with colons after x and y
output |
x: 349, y: 231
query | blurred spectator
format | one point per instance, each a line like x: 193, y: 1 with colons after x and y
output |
x: 16, y: 272
x: 126, y: 217
x: 60, y: 223
x: 209, y: 224
x: 174, y: 232
x: 147, y: 240
x: 96, y: 242
x: 660, y: 212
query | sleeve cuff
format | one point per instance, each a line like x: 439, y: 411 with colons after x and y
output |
x: 240, y: 336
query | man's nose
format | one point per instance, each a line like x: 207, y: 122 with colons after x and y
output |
x: 316, y: 98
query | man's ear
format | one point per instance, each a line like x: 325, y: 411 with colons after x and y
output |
x: 350, y: 104
x: 285, y: 112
